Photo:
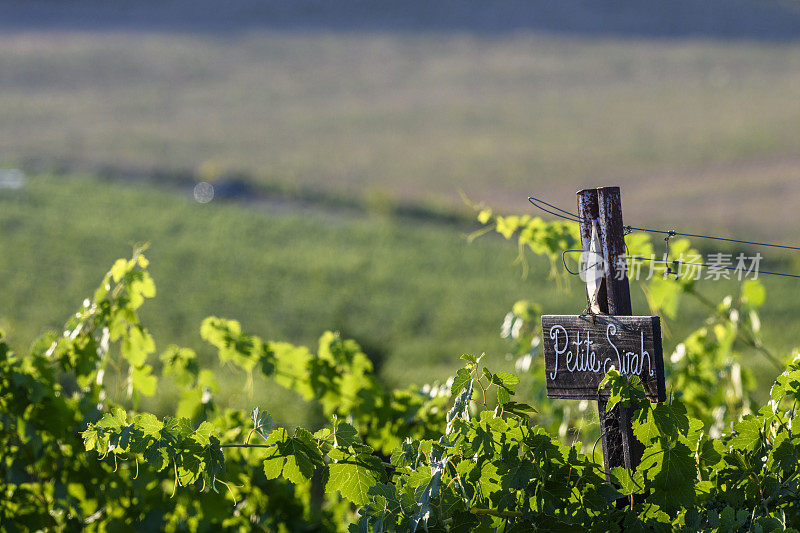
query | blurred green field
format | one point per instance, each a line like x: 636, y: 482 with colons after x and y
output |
x: 415, y: 294
x: 700, y: 134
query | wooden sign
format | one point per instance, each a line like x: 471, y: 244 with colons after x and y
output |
x: 578, y: 350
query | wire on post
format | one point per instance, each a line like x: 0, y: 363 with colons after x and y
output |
x: 676, y: 264
x: 627, y: 230
x: 561, y: 212
x: 669, y: 271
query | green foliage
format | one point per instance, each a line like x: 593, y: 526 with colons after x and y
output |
x: 465, y: 455
x: 705, y: 369
x: 745, y: 479
x: 404, y: 288
x: 74, y: 458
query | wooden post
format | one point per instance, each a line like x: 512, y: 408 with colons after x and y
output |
x: 604, y: 206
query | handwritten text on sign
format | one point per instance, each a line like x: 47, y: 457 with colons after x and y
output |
x: 578, y: 350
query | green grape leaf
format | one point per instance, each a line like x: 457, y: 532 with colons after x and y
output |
x: 463, y: 376
x: 119, y: 269
x: 506, y: 226
x: 506, y: 380
x: 503, y: 396
x: 628, y: 482
x: 180, y: 364
x: 293, y: 457
x: 420, y: 476
x: 753, y: 292
x: 384, y: 508
x: 663, y: 296
x: 787, y: 384
x: 158, y: 455
x: 516, y: 474
x: 669, y: 466
x: 693, y: 435
x: 143, y: 381
x: 748, y: 433
x: 784, y: 453
x: 262, y: 422
x: 137, y: 345
x: 91, y: 439
x: 203, y: 433
x: 345, y: 435
x: 149, y: 424
x: 354, y: 478
x: 673, y: 472
x: 214, y: 459
x: 406, y: 454
x: 239, y: 348
x: 189, y: 461
x: 711, y: 453
x: 114, y: 420
x: 427, y: 492
x: 470, y: 358
x: 662, y: 420
x: 521, y: 409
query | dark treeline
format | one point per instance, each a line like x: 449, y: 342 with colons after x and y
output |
x: 768, y: 20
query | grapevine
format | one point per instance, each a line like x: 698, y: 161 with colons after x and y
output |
x: 465, y: 455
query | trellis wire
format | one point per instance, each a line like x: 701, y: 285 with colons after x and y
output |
x: 557, y: 211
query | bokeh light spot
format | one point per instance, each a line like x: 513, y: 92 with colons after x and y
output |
x: 203, y: 192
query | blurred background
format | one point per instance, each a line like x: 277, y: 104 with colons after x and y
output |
x: 302, y: 165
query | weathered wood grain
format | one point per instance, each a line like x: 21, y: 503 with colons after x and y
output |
x: 574, y: 367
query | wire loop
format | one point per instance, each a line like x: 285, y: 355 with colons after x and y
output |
x: 564, y: 261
